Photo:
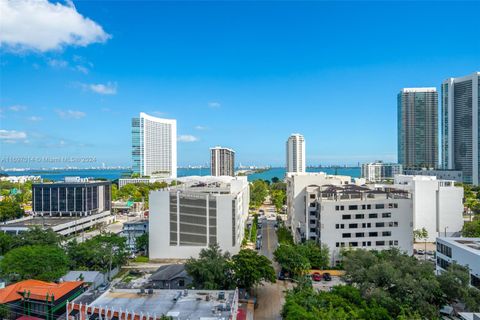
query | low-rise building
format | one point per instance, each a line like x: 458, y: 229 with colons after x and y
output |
x: 351, y: 216
x: 437, y: 204
x: 200, y: 211
x: 132, y: 230
x: 440, y: 174
x: 39, y: 299
x: 93, y: 279
x: 379, y: 171
x: 171, y: 276
x: 463, y: 251
x: 153, y: 304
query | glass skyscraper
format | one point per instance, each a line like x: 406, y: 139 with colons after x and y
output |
x: 418, y: 128
x: 460, y: 104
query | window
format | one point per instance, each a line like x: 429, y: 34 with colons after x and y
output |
x: 393, y: 242
x: 369, y: 206
x: 346, y: 217
x: 386, y: 233
x: 372, y: 215
x: 346, y: 235
x: 337, y: 226
x: 312, y: 196
x: 366, y: 225
x: 337, y: 244
x: 444, y: 264
x: 386, y: 215
x: 379, y: 206
x: 392, y: 205
x: 373, y: 234
x: 313, y: 205
x: 379, y: 243
x: 312, y: 229
x: 393, y: 224
x: 475, y: 281
x: 337, y: 208
x: 353, y: 244
x: 364, y: 207
x: 380, y: 224
x: 181, y: 283
x: 353, y: 225
x: 353, y: 207
x: 443, y: 249
x: 360, y: 234
x: 359, y: 216
x: 313, y: 222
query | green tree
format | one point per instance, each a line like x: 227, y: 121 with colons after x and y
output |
x: 258, y: 193
x: 275, y: 180
x: 37, y: 236
x: 471, y: 229
x: 291, y: 259
x: 10, y: 209
x: 6, y: 242
x: 100, y: 253
x: 40, y: 262
x: 4, y: 312
x: 250, y: 268
x: 212, y: 270
x: 284, y: 235
x: 317, y: 255
x: 141, y: 243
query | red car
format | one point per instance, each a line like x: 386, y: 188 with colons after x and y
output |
x: 316, y: 276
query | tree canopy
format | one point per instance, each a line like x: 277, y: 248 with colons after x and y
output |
x: 258, y: 193
x: 250, y: 268
x: 42, y: 262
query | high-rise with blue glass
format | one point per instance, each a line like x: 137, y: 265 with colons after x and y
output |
x: 460, y: 107
x: 154, y: 146
x: 418, y: 128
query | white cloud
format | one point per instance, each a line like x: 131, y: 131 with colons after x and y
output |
x: 34, y: 118
x: 71, y: 114
x: 187, y: 138
x: 200, y: 128
x: 12, y: 136
x: 109, y: 88
x: 82, y: 69
x: 17, y: 108
x: 40, y: 25
x: 56, y: 63
x: 214, y: 104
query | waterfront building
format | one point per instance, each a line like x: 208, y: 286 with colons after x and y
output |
x: 379, y: 171
x: 222, y: 162
x: 295, y: 153
x: 464, y: 251
x: 460, y: 104
x: 437, y: 204
x: 200, y: 211
x: 154, y: 146
x: 418, y: 128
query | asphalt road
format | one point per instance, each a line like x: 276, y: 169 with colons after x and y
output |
x: 270, y: 296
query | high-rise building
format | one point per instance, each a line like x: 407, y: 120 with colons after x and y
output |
x: 222, y: 161
x: 380, y: 171
x: 154, y: 146
x: 418, y: 128
x: 296, y: 153
x: 460, y: 106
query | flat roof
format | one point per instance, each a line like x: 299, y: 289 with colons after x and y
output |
x: 469, y: 244
x: 41, y: 221
x: 193, y: 305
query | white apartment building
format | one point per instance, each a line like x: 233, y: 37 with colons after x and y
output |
x: 437, y: 204
x: 222, y: 162
x: 154, y: 146
x: 297, y: 184
x: 464, y: 251
x: 379, y: 171
x: 200, y: 211
x: 352, y: 216
x: 295, y: 153
x: 441, y: 174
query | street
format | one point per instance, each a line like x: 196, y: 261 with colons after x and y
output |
x: 270, y: 296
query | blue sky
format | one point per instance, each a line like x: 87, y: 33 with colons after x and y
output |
x: 239, y: 74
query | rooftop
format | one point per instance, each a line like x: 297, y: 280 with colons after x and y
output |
x: 355, y: 192
x: 169, y: 272
x: 469, y: 244
x: 191, y: 304
x: 37, y: 289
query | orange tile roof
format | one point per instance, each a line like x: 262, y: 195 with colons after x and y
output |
x: 38, y: 289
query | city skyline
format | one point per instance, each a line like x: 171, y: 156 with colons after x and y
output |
x: 239, y: 85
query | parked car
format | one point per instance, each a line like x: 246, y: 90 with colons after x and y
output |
x: 316, y: 276
x: 327, y: 276
x: 283, y: 275
x: 421, y: 252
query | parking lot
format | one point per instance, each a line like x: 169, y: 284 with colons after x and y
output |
x: 326, y: 285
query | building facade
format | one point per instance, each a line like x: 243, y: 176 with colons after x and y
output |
x: 295, y: 153
x: 74, y: 197
x: 379, y: 171
x: 437, y: 204
x: 464, y: 251
x: 222, y: 162
x: 132, y: 230
x: 440, y: 174
x: 154, y: 146
x: 351, y: 216
x: 460, y: 103
x: 418, y: 128
x: 199, y: 212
